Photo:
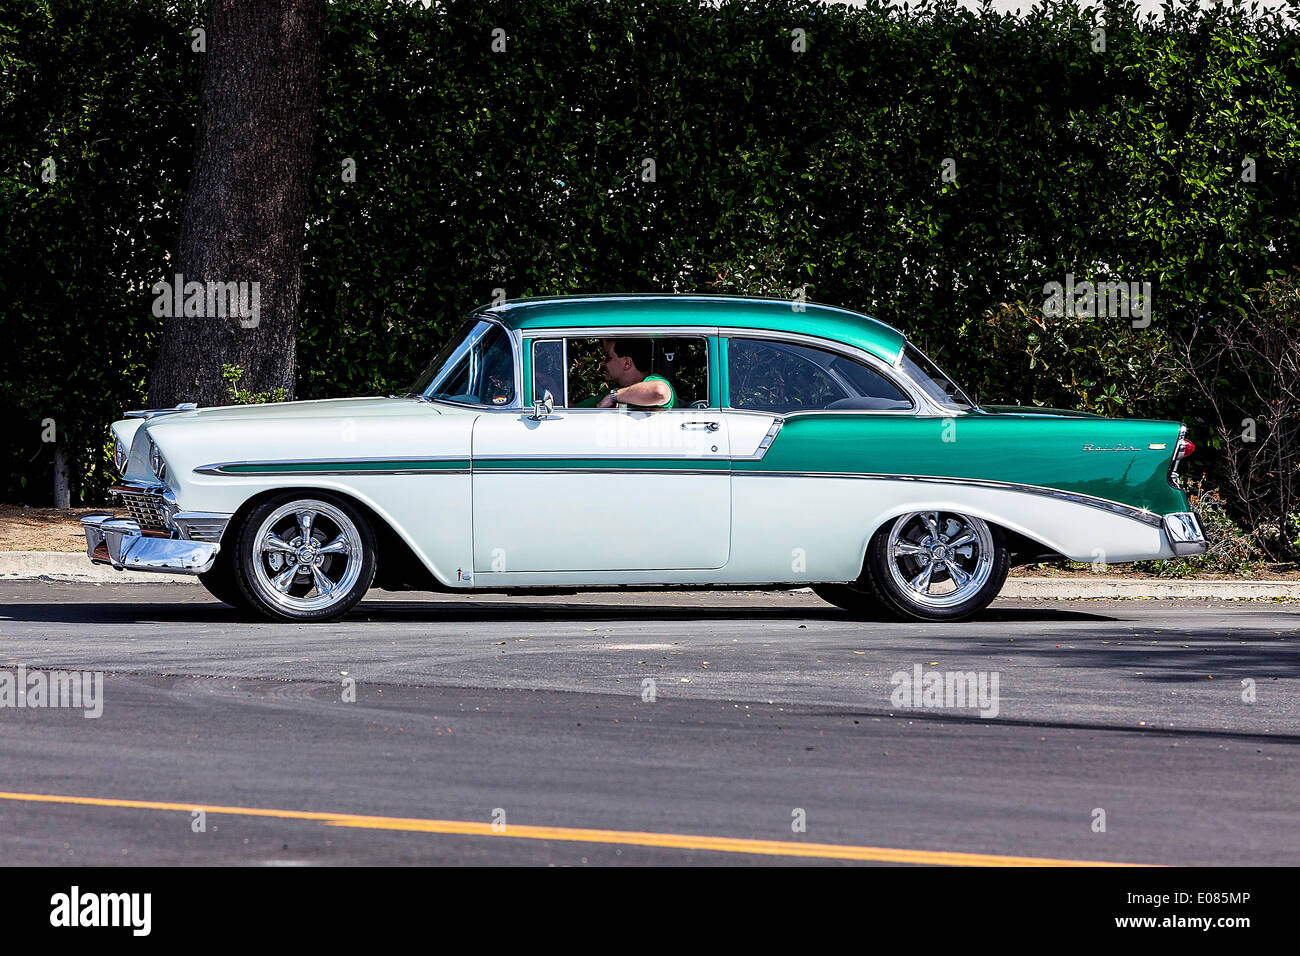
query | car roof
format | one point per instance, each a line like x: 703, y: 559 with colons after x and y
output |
x: 730, y: 311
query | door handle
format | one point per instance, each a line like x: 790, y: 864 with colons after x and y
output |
x: 711, y: 426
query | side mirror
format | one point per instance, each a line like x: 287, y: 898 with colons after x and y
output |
x: 543, y: 408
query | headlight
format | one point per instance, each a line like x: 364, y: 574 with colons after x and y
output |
x: 120, y: 454
x: 157, y: 464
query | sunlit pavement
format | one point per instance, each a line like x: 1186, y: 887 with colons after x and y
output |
x: 686, y: 717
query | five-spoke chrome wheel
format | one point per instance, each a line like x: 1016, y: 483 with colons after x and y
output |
x: 306, y: 558
x: 939, y: 559
x: 929, y: 566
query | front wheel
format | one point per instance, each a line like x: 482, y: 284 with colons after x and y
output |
x: 220, y: 581
x: 304, y: 557
x: 936, y: 565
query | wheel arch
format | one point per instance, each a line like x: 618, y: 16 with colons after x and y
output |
x: 1024, y: 547
x: 397, y: 566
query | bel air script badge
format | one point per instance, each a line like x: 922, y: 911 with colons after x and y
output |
x: 1115, y: 447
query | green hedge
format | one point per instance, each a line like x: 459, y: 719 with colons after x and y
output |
x: 775, y: 170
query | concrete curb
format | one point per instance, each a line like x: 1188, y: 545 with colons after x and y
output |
x: 1101, y: 586
x: 74, y: 566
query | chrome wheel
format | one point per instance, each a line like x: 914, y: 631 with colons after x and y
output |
x: 307, y: 556
x: 939, y: 559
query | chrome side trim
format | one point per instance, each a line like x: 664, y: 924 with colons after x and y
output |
x: 764, y: 444
x: 320, y: 466
x: 594, y: 470
x: 1127, y: 511
x: 650, y: 457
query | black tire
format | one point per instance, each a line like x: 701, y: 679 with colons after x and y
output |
x: 883, y: 584
x: 349, y: 572
x: 857, y: 600
x: 220, y: 581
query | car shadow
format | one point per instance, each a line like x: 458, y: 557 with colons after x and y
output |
x: 213, y: 612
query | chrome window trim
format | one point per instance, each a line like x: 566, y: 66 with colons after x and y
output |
x: 620, y: 331
x: 918, y: 398
x: 533, y: 342
x: 647, y: 409
x: 891, y: 374
x: 705, y: 332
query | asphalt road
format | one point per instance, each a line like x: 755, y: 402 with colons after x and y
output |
x: 533, y: 714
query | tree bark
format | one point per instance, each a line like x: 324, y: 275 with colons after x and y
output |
x: 246, y: 208
x: 62, y: 491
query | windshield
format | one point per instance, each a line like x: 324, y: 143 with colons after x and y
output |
x: 477, y: 367
x: 936, y: 385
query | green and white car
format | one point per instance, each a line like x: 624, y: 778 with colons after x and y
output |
x: 807, y: 446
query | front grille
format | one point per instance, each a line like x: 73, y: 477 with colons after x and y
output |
x: 148, y: 511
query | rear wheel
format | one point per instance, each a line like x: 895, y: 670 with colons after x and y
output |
x: 304, y: 557
x: 855, y: 598
x: 936, y: 565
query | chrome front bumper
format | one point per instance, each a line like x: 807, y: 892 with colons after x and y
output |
x: 1183, y: 528
x: 120, y: 542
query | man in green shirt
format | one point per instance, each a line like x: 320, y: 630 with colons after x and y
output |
x: 623, y: 367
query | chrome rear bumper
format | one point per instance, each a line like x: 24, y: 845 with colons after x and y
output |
x: 1183, y: 529
x: 120, y: 542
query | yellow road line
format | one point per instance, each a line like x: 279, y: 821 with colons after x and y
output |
x: 677, y: 841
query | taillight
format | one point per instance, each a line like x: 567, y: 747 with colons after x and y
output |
x: 1181, y: 450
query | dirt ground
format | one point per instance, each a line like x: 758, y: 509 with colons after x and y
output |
x: 25, y: 528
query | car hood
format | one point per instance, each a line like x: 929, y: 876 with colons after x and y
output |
x: 320, y: 408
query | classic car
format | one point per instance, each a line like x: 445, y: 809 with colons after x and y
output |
x: 807, y: 446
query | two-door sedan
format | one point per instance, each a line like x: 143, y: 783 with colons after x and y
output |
x: 803, y: 445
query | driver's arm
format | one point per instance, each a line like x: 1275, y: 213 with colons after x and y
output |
x: 642, y: 393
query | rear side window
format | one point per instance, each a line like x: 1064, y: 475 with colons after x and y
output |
x: 783, y: 377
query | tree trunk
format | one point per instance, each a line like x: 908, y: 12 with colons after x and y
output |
x: 246, y: 209
x: 62, y: 492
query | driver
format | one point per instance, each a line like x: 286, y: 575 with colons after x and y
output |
x: 624, y: 367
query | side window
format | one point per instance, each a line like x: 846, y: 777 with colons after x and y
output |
x: 785, y: 377
x: 683, y: 361
x: 548, y: 370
